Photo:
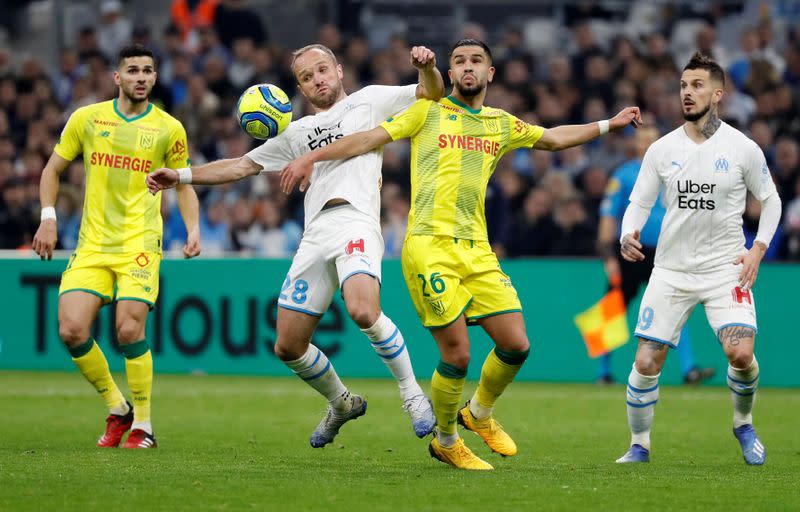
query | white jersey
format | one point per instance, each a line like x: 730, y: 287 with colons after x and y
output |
x: 357, y: 179
x: 705, y: 188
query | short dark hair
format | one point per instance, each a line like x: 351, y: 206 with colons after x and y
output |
x: 134, y: 50
x: 700, y: 61
x: 471, y: 42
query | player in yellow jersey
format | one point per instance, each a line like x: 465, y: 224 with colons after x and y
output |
x: 452, y: 274
x: 119, y: 245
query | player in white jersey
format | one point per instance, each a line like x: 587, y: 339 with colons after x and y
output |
x: 342, y: 245
x: 706, y: 168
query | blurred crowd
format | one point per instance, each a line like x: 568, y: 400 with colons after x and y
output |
x: 538, y: 203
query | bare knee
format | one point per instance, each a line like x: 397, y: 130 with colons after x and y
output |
x: 72, y: 333
x: 458, y: 359
x: 288, y: 351
x: 741, y: 358
x: 129, y: 330
x: 363, y: 312
x: 650, y: 357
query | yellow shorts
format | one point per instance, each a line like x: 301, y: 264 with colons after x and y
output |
x: 447, y: 277
x: 125, y: 276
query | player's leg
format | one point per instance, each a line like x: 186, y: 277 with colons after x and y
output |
x: 361, y: 292
x: 502, y: 364
x: 131, y: 322
x: 731, y: 313
x: 447, y: 385
x: 692, y: 374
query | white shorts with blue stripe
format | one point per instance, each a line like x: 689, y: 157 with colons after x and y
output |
x: 671, y: 296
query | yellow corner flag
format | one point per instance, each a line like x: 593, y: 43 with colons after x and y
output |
x: 604, y: 326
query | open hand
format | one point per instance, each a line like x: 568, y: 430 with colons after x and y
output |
x: 750, y: 262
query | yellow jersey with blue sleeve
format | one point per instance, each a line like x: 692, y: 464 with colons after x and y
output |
x: 454, y: 152
x: 119, y: 214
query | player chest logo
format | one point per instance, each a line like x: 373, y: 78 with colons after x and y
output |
x: 146, y: 140
x: 721, y: 164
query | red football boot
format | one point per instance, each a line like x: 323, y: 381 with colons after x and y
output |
x: 116, y: 426
x: 138, y: 438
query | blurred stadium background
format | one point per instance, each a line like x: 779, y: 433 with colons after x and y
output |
x: 557, y: 62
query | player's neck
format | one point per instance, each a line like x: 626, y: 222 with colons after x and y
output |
x: 473, y: 102
x: 128, y: 108
x: 705, y: 127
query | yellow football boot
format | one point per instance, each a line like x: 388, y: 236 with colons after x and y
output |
x: 458, y: 455
x: 490, y: 431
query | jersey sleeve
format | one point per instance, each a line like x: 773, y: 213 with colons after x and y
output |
x: 70, y: 143
x: 410, y: 122
x: 274, y: 154
x: 389, y: 100
x: 523, y: 135
x: 177, y: 148
x: 756, y: 173
x: 648, y: 183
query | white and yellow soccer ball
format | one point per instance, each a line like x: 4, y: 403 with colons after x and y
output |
x: 264, y: 111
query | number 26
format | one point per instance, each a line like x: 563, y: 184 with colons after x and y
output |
x: 436, y: 282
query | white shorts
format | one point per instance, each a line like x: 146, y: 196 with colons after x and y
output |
x: 339, y: 243
x: 671, y: 296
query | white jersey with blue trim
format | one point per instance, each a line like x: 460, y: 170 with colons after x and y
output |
x: 357, y: 179
x: 705, y: 186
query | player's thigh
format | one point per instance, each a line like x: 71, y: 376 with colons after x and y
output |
x: 666, y: 305
x: 88, y: 272
x: 311, y: 281
x: 294, y: 330
x: 131, y: 320
x: 361, y: 294
x: 357, y: 248
x: 433, y: 273
x: 492, y: 290
x: 507, y: 330
x: 731, y: 313
x: 137, y: 277
x: 76, y: 313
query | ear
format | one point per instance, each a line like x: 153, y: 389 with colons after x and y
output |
x: 450, y: 76
x: 339, y: 71
x: 117, y: 79
x: 718, y: 94
x: 490, y: 75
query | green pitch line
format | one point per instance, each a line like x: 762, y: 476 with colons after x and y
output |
x: 241, y: 443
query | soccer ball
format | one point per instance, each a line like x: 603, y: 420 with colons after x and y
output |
x: 264, y: 111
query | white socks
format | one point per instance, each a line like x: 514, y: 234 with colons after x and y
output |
x: 317, y: 371
x: 743, y: 384
x: 387, y: 340
x: 642, y: 395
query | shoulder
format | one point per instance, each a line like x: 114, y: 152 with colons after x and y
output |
x: 739, y: 139
x: 166, y: 118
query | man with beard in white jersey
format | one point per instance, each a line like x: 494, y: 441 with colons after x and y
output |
x: 342, y: 245
x: 707, y: 168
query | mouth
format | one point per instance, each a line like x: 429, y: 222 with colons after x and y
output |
x: 688, y: 103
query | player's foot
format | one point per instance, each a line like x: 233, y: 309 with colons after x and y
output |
x: 753, y: 451
x: 697, y: 375
x: 457, y: 455
x: 636, y: 453
x: 421, y: 413
x: 605, y: 380
x: 138, y: 438
x: 490, y: 431
x: 333, y: 421
x: 116, y: 426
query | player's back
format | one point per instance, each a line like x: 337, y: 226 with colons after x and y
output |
x: 119, y: 213
x: 705, y: 186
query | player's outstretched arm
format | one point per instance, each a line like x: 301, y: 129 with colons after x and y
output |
x: 431, y: 84
x: 566, y: 136
x: 44, y: 241
x: 212, y: 173
x: 190, y: 211
x: 299, y: 170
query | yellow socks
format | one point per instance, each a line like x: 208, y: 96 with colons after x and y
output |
x: 499, y: 369
x: 139, y: 367
x: 93, y: 365
x: 446, y: 386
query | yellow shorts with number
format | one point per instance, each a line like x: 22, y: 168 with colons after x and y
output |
x: 125, y: 276
x: 447, y: 277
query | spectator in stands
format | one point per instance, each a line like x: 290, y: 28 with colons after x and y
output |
x: 275, y: 236
x: 534, y: 232
x: 235, y: 20
x: 17, y: 223
x: 190, y: 15
x: 115, y: 30
x: 786, y: 169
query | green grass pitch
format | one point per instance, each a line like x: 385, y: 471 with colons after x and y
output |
x: 241, y: 443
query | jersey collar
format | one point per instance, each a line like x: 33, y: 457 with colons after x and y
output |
x: 134, y: 118
x: 469, y: 109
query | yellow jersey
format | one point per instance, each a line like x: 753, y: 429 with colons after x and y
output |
x: 454, y: 151
x: 119, y: 214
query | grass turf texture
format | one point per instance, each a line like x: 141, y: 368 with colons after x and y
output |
x: 241, y: 443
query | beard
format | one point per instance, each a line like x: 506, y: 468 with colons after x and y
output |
x: 130, y: 95
x: 697, y: 115
x: 470, y: 92
x: 326, y: 101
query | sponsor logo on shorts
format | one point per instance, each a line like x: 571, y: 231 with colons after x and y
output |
x: 354, y: 245
x: 741, y: 296
x: 142, y: 260
x: 140, y: 273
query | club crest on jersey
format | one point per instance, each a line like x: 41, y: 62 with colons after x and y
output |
x: 354, y: 245
x: 146, y: 140
x: 721, y: 165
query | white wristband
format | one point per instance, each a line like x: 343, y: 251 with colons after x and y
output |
x: 185, y: 175
x: 48, y: 212
x: 603, y: 125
